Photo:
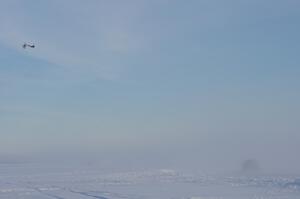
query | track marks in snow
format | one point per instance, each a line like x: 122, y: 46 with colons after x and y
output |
x: 87, y: 194
x: 47, y: 194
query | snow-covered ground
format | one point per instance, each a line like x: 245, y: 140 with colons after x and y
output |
x: 30, y: 181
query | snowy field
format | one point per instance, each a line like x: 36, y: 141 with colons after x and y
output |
x: 30, y: 181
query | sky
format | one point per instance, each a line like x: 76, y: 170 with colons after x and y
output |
x: 199, y: 82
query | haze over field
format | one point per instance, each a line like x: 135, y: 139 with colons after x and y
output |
x: 201, y: 84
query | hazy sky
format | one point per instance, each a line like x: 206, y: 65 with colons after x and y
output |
x: 197, y: 80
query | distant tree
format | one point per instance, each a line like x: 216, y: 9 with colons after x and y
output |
x: 250, y: 166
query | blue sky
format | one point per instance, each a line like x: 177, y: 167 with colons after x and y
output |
x: 217, y: 76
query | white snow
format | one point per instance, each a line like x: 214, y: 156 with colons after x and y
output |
x: 29, y: 181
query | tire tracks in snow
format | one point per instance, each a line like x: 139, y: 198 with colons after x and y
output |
x: 48, y: 194
x: 87, y: 194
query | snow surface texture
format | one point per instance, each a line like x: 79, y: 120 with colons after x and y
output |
x: 29, y: 181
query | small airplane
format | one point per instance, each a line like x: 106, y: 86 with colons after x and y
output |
x: 25, y: 45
